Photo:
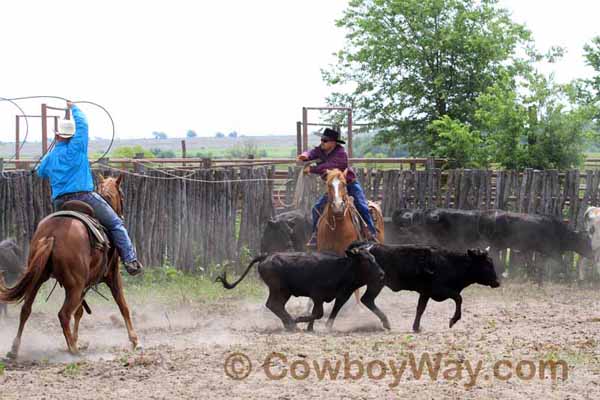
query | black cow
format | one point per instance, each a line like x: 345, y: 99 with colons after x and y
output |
x: 462, y: 229
x: 435, y: 273
x: 10, y: 265
x: 322, y: 277
x: 288, y: 231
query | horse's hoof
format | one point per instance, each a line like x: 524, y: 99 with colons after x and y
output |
x: 138, y: 347
x: 452, y: 322
x: 386, y: 326
x: 11, y: 355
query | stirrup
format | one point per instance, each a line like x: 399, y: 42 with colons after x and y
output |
x: 312, y: 242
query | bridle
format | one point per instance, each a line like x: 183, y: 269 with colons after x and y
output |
x: 335, y: 215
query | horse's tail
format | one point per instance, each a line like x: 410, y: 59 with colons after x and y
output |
x: 32, y: 275
x: 223, y: 278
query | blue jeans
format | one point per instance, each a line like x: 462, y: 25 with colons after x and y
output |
x: 109, y: 219
x: 360, y: 202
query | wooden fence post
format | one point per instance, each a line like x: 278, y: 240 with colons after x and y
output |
x: 103, y: 163
x: 430, y: 163
x: 206, y: 162
x: 138, y: 167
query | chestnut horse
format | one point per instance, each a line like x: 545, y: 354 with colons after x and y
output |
x: 61, y: 249
x: 336, y: 230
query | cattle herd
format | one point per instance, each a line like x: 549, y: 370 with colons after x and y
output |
x: 435, y: 252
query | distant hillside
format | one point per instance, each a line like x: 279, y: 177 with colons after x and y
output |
x: 276, y: 146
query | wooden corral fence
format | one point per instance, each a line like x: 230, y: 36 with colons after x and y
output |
x: 196, y: 218
x: 188, y: 223
x: 562, y: 194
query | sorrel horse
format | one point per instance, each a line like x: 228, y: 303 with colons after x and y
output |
x: 336, y: 229
x: 61, y: 249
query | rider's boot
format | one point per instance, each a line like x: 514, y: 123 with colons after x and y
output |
x: 133, y: 267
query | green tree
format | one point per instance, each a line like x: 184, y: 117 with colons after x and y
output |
x: 159, y: 153
x: 245, y: 149
x: 457, y: 142
x: 592, y: 57
x: 503, y: 122
x: 407, y: 63
x: 588, y: 90
x: 159, y: 135
x: 191, y: 134
x: 536, y: 124
x: 131, y: 152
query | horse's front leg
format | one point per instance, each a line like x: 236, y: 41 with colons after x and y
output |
x: 116, y: 289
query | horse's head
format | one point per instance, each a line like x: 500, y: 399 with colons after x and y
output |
x: 110, y: 190
x: 336, y: 190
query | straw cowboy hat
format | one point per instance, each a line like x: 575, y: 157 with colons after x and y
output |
x: 66, y: 128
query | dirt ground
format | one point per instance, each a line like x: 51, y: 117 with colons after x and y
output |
x: 186, y: 348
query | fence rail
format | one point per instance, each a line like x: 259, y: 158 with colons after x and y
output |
x: 412, y: 163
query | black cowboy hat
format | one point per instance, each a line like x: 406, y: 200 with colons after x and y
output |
x: 332, y: 134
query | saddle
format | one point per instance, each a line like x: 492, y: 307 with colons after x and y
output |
x: 85, y: 214
x: 359, y: 223
x: 96, y: 232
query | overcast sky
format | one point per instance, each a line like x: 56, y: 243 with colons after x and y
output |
x: 207, y: 65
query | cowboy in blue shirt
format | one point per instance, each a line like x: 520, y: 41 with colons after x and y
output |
x: 331, y: 154
x: 68, y: 169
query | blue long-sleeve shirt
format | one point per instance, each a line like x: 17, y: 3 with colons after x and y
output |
x: 67, y: 166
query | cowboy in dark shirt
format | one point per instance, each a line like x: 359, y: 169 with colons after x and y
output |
x: 331, y: 154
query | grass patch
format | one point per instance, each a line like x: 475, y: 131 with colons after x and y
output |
x: 72, y: 369
x: 163, y: 285
x: 167, y: 285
